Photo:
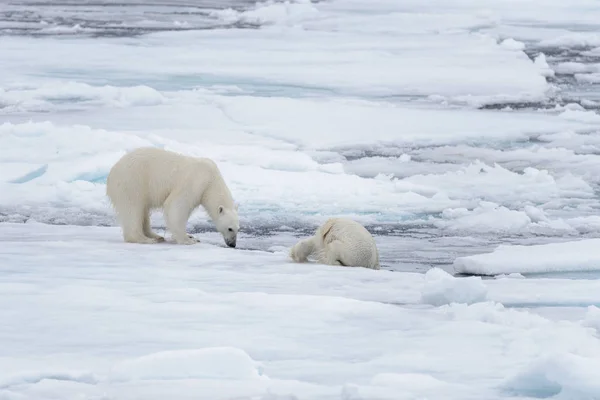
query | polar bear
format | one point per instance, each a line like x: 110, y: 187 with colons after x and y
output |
x: 339, y: 241
x: 150, y: 178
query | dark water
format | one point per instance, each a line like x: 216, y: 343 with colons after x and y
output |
x: 112, y: 18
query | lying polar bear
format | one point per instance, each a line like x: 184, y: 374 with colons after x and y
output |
x: 150, y: 178
x: 339, y: 241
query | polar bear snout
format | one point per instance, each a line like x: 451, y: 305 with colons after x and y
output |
x: 231, y: 242
x: 230, y: 237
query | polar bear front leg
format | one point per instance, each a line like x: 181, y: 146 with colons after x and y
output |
x: 302, y: 250
x: 177, y: 212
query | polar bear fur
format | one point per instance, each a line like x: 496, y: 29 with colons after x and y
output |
x: 339, y: 241
x: 150, y: 178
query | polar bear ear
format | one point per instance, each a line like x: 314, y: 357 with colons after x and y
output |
x: 221, y: 209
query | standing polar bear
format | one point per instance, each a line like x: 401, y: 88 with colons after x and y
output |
x: 339, y: 241
x: 150, y: 178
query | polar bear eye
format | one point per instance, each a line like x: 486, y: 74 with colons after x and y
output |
x: 230, y: 230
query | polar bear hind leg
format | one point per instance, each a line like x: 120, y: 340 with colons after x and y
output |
x: 331, y: 254
x: 177, y: 212
x: 132, y: 223
x: 148, y: 229
x: 130, y: 214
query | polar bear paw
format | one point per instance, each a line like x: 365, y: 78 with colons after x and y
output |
x: 188, y: 240
x: 144, y: 240
x: 155, y: 237
x: 293, y: 254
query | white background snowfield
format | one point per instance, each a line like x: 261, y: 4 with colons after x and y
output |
x: 464, y: 134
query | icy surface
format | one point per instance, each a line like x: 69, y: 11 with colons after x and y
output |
x: 581, y: 255
x: 569, y: 376
x: 447, y: 127
x: 88, y: 316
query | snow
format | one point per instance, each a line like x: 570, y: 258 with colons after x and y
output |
x: 571, y: 68
x: 226, y: 363
x: 464, y: 135
x: 361, y: 66
x: 592, y: 318
x: 271, y: 13
x: 588, y: 78
x: 580, y: 255
x: 569, y: 375
x: 66, y: 175
x: 92, y: 316
x: 541, y: 62
x: 581, y: 116
x: 488, y: 217
x: 442, y: 288
x: 513, y: 44
x: 579, y: 39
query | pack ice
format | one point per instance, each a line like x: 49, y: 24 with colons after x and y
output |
x: 464, y: 135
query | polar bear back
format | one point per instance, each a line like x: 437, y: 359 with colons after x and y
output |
x: 357, y: 246
x: 147, y: 176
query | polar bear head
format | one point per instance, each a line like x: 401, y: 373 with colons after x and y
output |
x: 228, y: 225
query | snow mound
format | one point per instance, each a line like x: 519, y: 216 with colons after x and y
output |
x: 489, y: 217
x: 573, y: 39
x: 592, y: 318
x: 572, y: 67
x: 392, y: 386
x: 586, y: 117
x: 512, y: 44
x: 545, y: 69
x: 571, y: 376
x: 442, y: 288
x: 588, y: 78
x: 272, y: 12
x: 582, y: 255
x: 55, y: 95
x: 225, y: 363
x: 35, y: 377
x: 479, y: 180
